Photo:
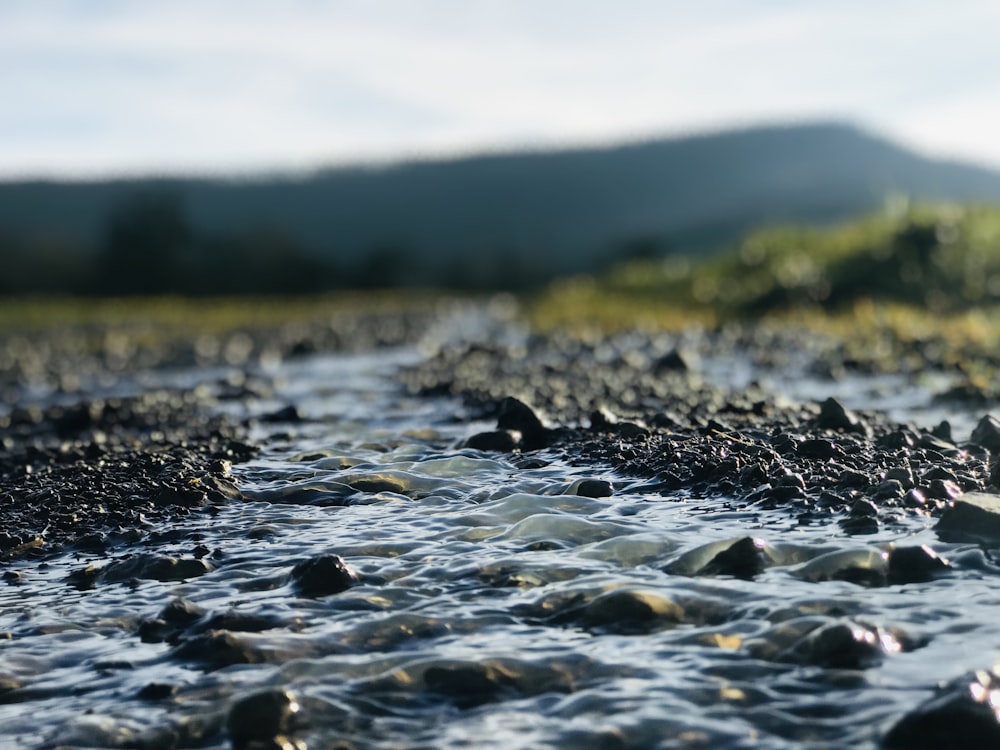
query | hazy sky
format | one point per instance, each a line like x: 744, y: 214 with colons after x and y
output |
x: 105, y: 86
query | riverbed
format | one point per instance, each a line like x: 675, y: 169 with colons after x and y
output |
x: 487, y: 599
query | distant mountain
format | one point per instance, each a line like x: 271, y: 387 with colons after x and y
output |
x: 494, y: 220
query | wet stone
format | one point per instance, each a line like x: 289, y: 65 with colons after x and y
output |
x: 595, y: 488
x: 264, y: 719
x: 860, y: 525
x: 962, y: 715
x: 629, y: 612
x: 842, y: 645
x: 975, y: 515
x: 217, y: 649
x: 743, y: 559
x: 915, y: 565
x: 323, y: 576
x: 517, y: 416
x: 470, y: 685
x: 500, y: 441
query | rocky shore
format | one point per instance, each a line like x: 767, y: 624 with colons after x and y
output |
x: 89, y: 472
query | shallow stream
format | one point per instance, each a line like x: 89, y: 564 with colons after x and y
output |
x: 493, y: 607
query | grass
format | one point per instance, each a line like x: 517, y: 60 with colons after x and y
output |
x: 210, y: 315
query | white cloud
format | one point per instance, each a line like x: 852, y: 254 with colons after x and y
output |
x: 261, y: 83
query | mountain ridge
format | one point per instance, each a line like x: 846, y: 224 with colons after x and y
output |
x: 506, y: 219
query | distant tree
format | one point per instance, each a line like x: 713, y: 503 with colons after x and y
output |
x: 386, y: 266
x: 146, y: 234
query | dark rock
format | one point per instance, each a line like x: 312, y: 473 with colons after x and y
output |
x: 943, y: 489
x: 903, y: 475
x: 943, y: 432
x: 217, y: 649
x: 153, y: 567
x: 819, y: 448
x: 975, y: 515
x: 851, y: 479
x: 862, y: 508
x: 841, y: 645
x: 961, y: 715
x: 889, y: 490
x: 469, y: 685
x: 743, y: 559
x: 501, y: 441
x: 592, y: 488
x: 859, y: 525
x: 263, y: 719
x: 288, y: 414
x: 987, y: 434
x: 672, y: 361
x: 322, y: 576
x: 915, y: 565
x: 518, y: 416
x: 157, y: 691
x: 629, y: 612
x: 834, y: 416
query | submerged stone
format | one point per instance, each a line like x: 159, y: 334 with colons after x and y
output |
x: 263, y: 720
x: 842, y: 645
x: 625, y: 611
x: 322, y: 576
x: 469, y: 685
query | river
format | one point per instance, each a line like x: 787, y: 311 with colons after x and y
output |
x: 489, y: 604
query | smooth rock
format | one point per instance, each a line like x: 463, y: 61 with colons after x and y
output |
x: 263, y: 719
x: 743, y: 558
x: 626, y: 611
x: 470, y: 685
x: 961, y: 715
x: 322, y: 576
x: 842, y: 645
x: 500, y: 441
x: 915, y: 564
x: 974, y: 515
x: 591, y: 488
x: 866, y: 567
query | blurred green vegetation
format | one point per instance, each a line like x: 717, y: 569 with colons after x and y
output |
x: 933, y: 260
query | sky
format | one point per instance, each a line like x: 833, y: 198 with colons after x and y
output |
x: 109, y: 87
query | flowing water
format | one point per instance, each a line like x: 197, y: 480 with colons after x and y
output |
x: 491, y: 607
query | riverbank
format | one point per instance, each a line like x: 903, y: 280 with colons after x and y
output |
x: 414, y: 502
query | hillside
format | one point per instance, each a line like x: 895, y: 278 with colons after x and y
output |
x: 505, y: 220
